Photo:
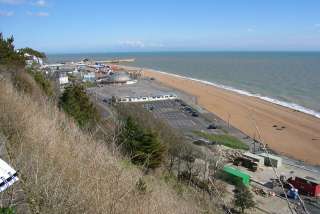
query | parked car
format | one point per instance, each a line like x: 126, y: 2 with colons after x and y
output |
x: 212, y: 126
x: 194, y: 114
x: 188, y: 109
x: 200, y: 142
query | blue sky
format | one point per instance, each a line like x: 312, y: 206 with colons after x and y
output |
x: 62, y: 26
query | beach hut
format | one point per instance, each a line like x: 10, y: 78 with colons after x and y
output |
x: 237, y: 175
x: 271, y: 160
x: 255, y: 158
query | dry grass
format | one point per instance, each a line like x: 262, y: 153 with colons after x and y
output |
x: 64, y: 170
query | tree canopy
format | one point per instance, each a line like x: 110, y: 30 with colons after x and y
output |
x: 76, y: 103
x: 8, y: 55
x: 33, y: 52
x: 141, y: 145
x: 243, y: 198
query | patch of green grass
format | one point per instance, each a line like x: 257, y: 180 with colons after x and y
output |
x: 126, y: 164
x: 7, y: 210
x: 42, y: 81
x: 223, y: 139
x: 89, y: 84
x: 168, y: 178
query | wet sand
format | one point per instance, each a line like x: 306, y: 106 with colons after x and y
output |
x: 296, y: 134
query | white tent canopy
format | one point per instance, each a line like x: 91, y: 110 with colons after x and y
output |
x: 7, y: 175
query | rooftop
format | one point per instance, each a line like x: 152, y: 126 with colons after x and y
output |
x: 120, y: 77
x: 235, y: 171
x: 270, y: 156
x: 143, y: 88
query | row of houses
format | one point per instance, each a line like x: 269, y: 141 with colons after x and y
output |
x: 31, y: 59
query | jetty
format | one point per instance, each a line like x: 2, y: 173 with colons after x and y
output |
x: 117, y: 60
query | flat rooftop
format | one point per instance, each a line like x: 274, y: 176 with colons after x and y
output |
x: 143, y: 88
x: 265, y: 155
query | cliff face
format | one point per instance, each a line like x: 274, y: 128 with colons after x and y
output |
x: 63, y: 170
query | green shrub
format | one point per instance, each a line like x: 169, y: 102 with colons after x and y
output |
x: 8, y: 55
x: 142, y: 146
x: 141, y: 186
x: 243, y: 198
x: 7, y: 210
x: 33, y: 52
x: 43, y: 82
x: 75, y: 102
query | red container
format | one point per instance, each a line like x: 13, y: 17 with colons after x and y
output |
x: 306, y: 186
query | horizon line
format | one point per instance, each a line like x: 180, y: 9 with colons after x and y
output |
x: 180, y: 51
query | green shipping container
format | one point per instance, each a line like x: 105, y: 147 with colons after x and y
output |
x: 238, y: 174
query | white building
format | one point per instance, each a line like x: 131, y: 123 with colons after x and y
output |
x: 30, y: 59
x: 271, y: 160
x: 63, y: 79
x: 147, y: 99
x: 89, y: 77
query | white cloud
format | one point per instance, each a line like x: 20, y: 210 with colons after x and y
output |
x: 251, y: 28
x: 139, y: 44
x: 40, y: 3
x: 6, y: 13
x: 132, y: 44
x: 39, y: 14
x: 155, y: 45
x: 12, y: 1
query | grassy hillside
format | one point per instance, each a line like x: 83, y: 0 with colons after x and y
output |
x: 66, y: 166
x: 64, y: 170
x: 226, y: 140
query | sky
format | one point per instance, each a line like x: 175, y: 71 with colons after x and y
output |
x: 65, y: 26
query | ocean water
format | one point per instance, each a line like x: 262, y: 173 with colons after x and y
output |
x: 290, y: 79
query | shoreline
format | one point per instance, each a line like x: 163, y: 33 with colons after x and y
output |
x: 289, y: 105
x: 299, y: 138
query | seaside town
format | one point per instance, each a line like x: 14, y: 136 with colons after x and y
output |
x: 275, y: 179
x: 159, y: 107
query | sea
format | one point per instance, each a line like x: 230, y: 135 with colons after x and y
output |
x: 290, y: 79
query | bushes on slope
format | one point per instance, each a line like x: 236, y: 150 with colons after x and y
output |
x: 8, y: 55
x: 33, y: 52
x: 64, y: 170
x: 43, y: 82
x: 75, y: 102
x: 142, y: 146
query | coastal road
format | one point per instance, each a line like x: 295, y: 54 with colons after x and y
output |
x: 102, y: 106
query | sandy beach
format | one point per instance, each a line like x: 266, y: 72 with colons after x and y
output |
x: 297, y: 134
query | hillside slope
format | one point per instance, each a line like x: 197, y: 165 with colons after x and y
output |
x: 64, y: 170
